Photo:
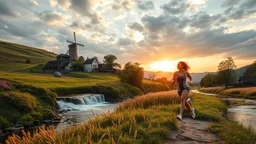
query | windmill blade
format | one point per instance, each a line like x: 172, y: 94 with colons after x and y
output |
x: 80, y: 44
x: 67, y: 52
x: 70, y: 41
x: 75, y: 36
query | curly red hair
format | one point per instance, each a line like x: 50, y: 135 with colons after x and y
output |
x: 184, y: 65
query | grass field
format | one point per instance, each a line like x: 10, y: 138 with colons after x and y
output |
x: 146, y: 119
x: 247, y: 92
x: 10, y: 52
x: 51, y: 82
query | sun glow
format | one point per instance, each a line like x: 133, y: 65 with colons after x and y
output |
x: 167, y: 66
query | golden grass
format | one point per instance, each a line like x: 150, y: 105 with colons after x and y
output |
x: 248, y: 92
x: 151, y: 99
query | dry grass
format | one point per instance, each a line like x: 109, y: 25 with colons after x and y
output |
x: 248, y: 92
x: 151, y: 99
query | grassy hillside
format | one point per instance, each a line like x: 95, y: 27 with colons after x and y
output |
x: 10, y: 52
x: 13, y: 57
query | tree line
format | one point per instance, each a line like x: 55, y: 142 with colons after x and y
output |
x: 226, y: 74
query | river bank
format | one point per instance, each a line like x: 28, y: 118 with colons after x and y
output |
x: 246, y: 92
x: 146, y: 119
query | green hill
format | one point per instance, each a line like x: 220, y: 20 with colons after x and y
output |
x: 13, y: 57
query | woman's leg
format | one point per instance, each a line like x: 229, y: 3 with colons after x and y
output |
x: 184, y: 96
x: 188, y: 106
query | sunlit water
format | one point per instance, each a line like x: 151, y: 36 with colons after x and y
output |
x: 245, y: 114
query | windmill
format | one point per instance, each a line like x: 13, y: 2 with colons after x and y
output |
x: 72, y: 51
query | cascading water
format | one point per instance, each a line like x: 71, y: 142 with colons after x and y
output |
x: 81, y: 102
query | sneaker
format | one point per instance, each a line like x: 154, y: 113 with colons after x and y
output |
x: 179, y: 117
x: 193, y: 114
x: 189, y: 101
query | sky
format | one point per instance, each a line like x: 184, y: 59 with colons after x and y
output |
x: 156, y: 34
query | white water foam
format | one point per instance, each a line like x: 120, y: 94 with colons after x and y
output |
x: 82, y: 102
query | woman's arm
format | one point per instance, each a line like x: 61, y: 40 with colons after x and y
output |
x: 174, y: 78
x: 189, y: 77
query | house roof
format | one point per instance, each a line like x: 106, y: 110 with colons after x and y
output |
x: 63, y: 55
x: 90, y: 60
x: 246, y: 78
x: 57, y: 64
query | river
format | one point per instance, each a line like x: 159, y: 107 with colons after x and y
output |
x: 81, y: 108
x: 245, y: 113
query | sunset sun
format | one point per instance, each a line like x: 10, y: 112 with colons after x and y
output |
x: 167, y: 66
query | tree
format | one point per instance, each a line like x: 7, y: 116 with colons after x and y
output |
x: 208, y: 80
x: 78, y: 66
x: 251, y: 70
x: 132, y: 74
x: 109, y: 61
x: 151, y: 76
x: 81, y: 59
x: 163, y: 80
x: 226, y: 72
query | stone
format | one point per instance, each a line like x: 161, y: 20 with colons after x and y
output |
x: 173, y: 135
x: 192, y: 132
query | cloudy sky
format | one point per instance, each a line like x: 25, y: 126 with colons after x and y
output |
x: 201, y: 32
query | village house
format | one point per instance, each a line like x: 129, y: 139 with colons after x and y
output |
x: 91, y: 65
x: 62, y: 63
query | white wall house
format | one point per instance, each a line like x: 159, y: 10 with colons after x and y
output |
x: 91, y: 64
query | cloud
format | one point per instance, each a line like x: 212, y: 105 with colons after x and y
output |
x: 135, y: 26
x: 228, y: 3
x: 146, y: 5
x: 5, y: 9
x: 249, y: 4
x: 123, y: 5
x: 52, y: 18
x: 125, y: 41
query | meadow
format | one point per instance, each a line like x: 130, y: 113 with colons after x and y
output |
x: 246, y: 92
x: 146, y: 119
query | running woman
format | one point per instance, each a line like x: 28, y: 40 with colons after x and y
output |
x: 180, y: 77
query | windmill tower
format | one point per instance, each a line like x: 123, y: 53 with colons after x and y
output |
x: 72, y: 51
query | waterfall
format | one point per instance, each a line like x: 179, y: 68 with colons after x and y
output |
x: 80, y: 102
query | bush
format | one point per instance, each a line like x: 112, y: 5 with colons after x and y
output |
x: 24, y: 102
x: 4, y: 122
x: 26, y: 120
x: 44, y: 94
x: 132, y: 74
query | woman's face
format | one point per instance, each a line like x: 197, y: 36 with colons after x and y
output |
x: 179, y: 66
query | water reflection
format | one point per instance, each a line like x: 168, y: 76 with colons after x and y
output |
x: 245, y: 114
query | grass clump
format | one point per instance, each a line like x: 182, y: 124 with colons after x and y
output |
x: 234, y: 133
x: 22, y: 101
x: 25, y: 104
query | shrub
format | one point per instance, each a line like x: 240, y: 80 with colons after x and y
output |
x: 4, y: 122
x: 26, y: 120
x: 132, y: 74
x: 23, y: 101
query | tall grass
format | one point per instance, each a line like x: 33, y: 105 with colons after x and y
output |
x: 247, y: 92
x: 146, y: 119
x: 234, y: 133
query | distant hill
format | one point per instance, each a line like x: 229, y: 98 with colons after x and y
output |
x: 240, y: 71
x: 196, y: 76
x: 10, y: 52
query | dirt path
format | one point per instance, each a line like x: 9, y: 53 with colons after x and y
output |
x: 192, y: 132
